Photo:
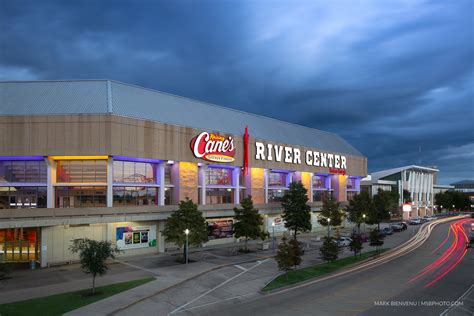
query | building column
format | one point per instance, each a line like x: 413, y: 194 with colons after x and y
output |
x: 51, y: 179
x: 265, y: 185
x: 161, y: 180
x: 110, y: 182
x: 160, y: 238
x: 236, y: 184
x: 43, y: 247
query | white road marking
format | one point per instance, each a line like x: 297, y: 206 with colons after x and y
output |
x: 455, y: 305
x: 216, y: 287
x: 136, y: 267
x: 240, y: 267
x: 212, y: 303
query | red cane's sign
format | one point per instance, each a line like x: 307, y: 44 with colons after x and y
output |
x: 213, y: 147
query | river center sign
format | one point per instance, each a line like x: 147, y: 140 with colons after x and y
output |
x: 292, y: 155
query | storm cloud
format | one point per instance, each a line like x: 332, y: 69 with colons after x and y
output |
x: 394, y: 78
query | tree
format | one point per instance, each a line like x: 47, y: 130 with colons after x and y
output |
x: 248, y: 222
x: 356, y: 244
x: 383, y: 204
x: 329, y: 250
x: 449, y: 198
x: 376, y: 238
x: 93, y: 255
x: 330, y: 210
x: 284, y: 256
x: 296, y: 252
x: 186, y: 217
x: 361, y: 204
x: 296, y: 211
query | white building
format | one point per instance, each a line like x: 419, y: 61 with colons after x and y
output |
x: 417, y: 180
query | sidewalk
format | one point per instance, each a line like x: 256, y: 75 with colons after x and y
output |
x: 27, y: 284
x: 209, y: 288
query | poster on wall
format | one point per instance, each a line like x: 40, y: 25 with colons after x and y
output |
x: 132, y: 237
x: 279, y: 224
x: 219, y: 228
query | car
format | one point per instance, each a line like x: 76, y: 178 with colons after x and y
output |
x: 415, y: 221
x: 428, y: 218
x: 387, y: 231
x: 343, y: 241
x: 397, y: 227
x: 364, y: 237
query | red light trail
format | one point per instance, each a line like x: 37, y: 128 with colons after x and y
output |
x: 451, y: 257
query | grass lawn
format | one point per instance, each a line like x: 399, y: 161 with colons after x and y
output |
x: 307, y: 273
x: 63, y: 303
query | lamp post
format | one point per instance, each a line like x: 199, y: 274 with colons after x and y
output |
x: 186, y: 232
x: 329, y: 226
x: 363, y: 217
x: 273, y: 236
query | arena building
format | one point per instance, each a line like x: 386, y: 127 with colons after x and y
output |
x: 111, y: 161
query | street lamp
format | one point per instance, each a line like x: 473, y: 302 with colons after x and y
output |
x: 363, y: 216
x: 329, y: 226
x: 186, y: 232
x: 273, y: 236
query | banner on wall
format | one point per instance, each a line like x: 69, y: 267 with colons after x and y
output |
x: 132, y: 237
x: 279, y: 224
x: 219, y: 228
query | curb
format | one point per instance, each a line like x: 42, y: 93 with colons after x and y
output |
x: 331, y: 275
x: 186, y: 280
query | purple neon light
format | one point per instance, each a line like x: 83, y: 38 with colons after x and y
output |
x: 3, y: 158
x: 221, y: 166
x: 135, y: 159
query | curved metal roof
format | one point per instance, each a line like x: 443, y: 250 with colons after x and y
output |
x: 104, y: 96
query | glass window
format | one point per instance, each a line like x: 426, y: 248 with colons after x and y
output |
x: 275, y: 195
x: 277, y: 179
x: 135, y: 196
x: 118, y: 171
x: 168, y: 174
x: 168, y: 196
x: 351, y: 184
x: 134, y: 172
x: 351, y: 195
x: 81, y: 171
x: 150, y: 175
x: 320, y: 182
x: 219, y: 176
x: 81, y: 197
x: 319, y: 195
x: 128, y: 171
x: 18, y: 171
x: 22, y: 197
x: 219, y: 196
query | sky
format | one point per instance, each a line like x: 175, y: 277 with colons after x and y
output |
x: 394, y: 78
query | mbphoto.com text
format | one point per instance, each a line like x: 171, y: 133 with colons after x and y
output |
x: 418, y: 303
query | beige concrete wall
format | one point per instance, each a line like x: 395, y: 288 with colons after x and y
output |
x: 115, y: 135
x: 188, y: 181
x: 339, y: 185
x: 56, y: 240
x: 255, y: 184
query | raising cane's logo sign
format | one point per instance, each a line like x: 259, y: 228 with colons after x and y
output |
x: 213, y: 147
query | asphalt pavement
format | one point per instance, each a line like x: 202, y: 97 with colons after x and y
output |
x: 382, y: 290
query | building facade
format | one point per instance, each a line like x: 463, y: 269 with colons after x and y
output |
x: 419, y: 182
x: 111, y: 161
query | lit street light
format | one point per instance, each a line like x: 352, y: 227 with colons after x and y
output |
x: 363, y: 216
x: 329, y: 226
x: 186, y: 232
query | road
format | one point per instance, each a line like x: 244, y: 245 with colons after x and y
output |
x: 369, y: 292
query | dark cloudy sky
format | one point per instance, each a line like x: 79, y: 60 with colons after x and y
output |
x: 395, y: 78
